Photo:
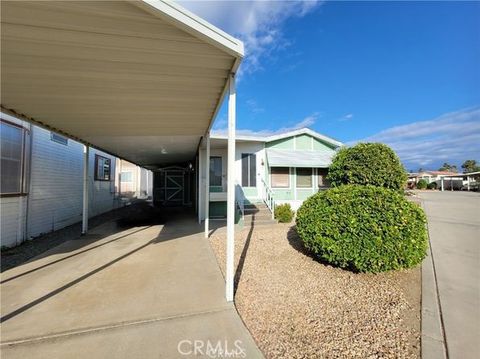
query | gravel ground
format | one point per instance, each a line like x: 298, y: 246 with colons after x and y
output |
x: 296, y: 307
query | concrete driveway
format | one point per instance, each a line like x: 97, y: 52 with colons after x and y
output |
x: 451, y: 281
x: 145, y: 292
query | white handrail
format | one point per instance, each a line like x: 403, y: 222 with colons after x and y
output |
x: 269, y: 198
x: 240, y: 199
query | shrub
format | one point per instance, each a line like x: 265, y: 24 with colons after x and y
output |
x: 373, y: 164
x: 284, y: 213
x: 363, y: 228
x: 422, y: 184
x: 432, y: 185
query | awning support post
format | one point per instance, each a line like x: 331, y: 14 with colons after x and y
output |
x: 468, y: 183
x: 85, y: 190
x: 207, y: 184
x: 442, y: 184
x: 230, y: 191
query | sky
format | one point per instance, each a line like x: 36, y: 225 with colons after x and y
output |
x: 403, y: 73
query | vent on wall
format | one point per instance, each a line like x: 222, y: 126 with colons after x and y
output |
x: 55, y: 137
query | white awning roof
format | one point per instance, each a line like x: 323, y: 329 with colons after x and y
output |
x: 299, y: 158
x: 142, y: 80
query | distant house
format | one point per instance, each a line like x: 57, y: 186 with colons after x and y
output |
x: 283, y: 168
x: 453, y: 179
x: 41, y: 181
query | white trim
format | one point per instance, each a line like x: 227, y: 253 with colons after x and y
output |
x: 301, y: 131
x: 207, y: 184
x: 230, y: 262
x: 86, y: 153
x: 194, y: 25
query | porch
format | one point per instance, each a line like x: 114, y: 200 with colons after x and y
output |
x: 124, y: 293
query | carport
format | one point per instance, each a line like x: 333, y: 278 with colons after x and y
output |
x: 140, y: 80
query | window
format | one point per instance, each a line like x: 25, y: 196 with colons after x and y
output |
x: 55, y: 137
x: 249, y: 170
x: 215, y: 171
x: 322, y: 178
x: 280, y: 177
x: 126, y: 176
x: 12, y: 164
x: 102, y: 168
x: 304, y: 178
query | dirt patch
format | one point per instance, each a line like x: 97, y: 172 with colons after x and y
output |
x: 296, y: 307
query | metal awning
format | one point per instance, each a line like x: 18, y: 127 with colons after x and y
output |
x: 142, y: 80
x: 299, y: 158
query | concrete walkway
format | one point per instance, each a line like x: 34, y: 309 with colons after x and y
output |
x: 146, y: 292
x: 451, y: 276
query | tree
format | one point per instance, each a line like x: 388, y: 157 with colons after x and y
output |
x: 448, y: 168
x: 470, y: 166
x: 372, y: 164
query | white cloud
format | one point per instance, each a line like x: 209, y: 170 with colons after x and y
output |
x: 306, y: 122
x: 347, y: 117
x: 257, y: 23
x: 254, y: 107
x: 453, y: 137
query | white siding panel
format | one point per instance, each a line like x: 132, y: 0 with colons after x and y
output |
x: 56, y: 185
x: 12, y: 225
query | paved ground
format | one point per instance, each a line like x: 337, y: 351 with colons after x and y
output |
x: 138, y: 293
x: 454, y: 283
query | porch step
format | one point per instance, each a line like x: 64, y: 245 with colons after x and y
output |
x: 258, y: 214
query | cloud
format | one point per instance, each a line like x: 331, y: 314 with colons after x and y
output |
x: 453, y: 137
x: 254, y: 107
x: 347, y: 117
x: 257, y: 23
x: 306, y: 122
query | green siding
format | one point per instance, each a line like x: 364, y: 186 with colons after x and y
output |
x: 319, y: 145
x: 283, y: 144
x: 216, y: 189
x: 303, y: 194
x: 218, y: 209
x: 283, y: 194
x: 303, y: 142
x: 250, y: 192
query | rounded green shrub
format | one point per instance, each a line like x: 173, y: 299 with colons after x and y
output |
x: 284, y: 213
x: 432, y: 185
x: 363, y: 228
x: 422, y: 184
x: 373, y: 164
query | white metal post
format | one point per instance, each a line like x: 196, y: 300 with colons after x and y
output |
x: 468, y: 183
x: 207, y: 184
x: 442, y: 184
x: 231, y: 191
x: 85, y: 190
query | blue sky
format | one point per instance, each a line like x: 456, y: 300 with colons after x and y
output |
x: 403, y: 73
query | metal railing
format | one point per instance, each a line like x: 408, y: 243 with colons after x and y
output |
x: 269, y: 198
x: 240, y: 200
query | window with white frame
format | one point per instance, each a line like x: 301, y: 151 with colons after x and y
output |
x: 12, y: 166
x: 280, y: 177
x: 215, y: 171
x: 322, y: 180
x: 249, y: 170
x: 304, y: 178
x: 102, y: 168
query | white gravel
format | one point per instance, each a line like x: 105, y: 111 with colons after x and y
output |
x: 296, y: 307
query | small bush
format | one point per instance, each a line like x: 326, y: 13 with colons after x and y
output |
x: 373, y: 164
x: 432, y: 185
x: 363, y: 228
x: 422, y: 184
x: 284, y: 213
